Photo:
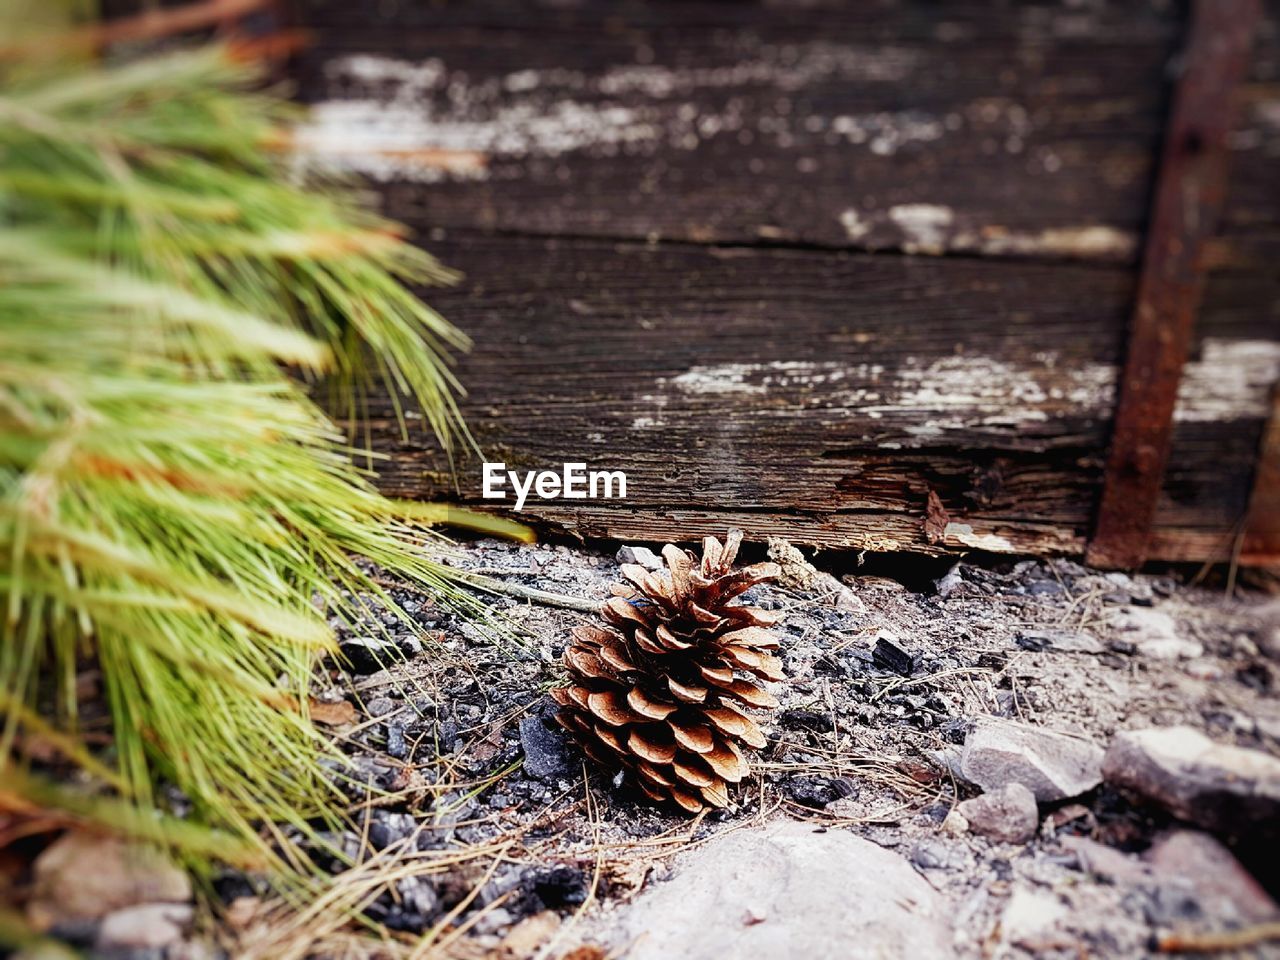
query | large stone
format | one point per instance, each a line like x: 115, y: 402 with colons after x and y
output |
x: 1232, y: 790
x: 1198, y: 866
x: 1051, y: 765
x: 1008, y: 814
x: 83, y: 877
x: 788, y: 890
x: 798, y: 573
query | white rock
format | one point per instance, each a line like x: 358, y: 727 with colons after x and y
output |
x: 949, y: 582
x: 641, y: 555
x: 955, y: 824
x: 150, y: 926
x: 1155, y: 634
x: 84, y: 877
x: 1229, y: 789
x: 787, y: 891
x: 1051, y: 765
x: 1268, y: 727
x: 1030, y: 913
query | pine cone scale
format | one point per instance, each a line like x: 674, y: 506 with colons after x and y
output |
x: 649, y: 707
x: 687, y: 800
x: 692, y: 776
x: 717, y: 672
x: 670, y: 641
x: 613, y: 710
x: 716, y: 794
x: 727, y: 762
x: 617, y: 659
x: 755, y: 617
x: 752, y: 695
x: 611, y: 738
x: 694, y: 737
x: 752, y: 637
x: 712, y: 551
x: 647, y: 744
x: 686, y: 692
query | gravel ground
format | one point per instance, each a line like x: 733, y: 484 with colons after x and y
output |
x: 485, y: 818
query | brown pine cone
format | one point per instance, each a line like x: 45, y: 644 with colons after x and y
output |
x: 661, y: 689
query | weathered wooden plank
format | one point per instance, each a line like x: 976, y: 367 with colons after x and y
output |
x: 1217, y: 431
x: 1007, y: 129
x: 819, y: 395
x: 832, y: 391
x: 1190, y: 193
x: 1251, y: 218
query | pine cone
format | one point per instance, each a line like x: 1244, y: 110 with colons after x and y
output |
x: 661, y: 689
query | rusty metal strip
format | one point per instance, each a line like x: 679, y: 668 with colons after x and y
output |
x: 148, y: 24
x: 1190, y: 189
x: 1261, y: 544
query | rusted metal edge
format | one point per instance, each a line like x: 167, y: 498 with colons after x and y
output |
x: 148, y: 24
x: 1190, y: 189
x: 1261, y: 543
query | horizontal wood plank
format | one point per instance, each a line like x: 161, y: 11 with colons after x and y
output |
x: 831, y: 390
x: 819, y: 394
x: 1001, y: 129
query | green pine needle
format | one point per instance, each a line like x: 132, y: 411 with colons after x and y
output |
x: 175, y: 512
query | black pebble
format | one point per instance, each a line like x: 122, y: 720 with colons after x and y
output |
x: 805, y: 720
x: 890, y: 656
x: 396, y: 746
x: 558, y: 887
x: 365, y: 655
x: 817, y: 792
x: 546, y: 750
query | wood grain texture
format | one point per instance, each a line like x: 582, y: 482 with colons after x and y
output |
x: 780, y: 385
x: 666, y: 226
x: 1007, y: 129
x: 817, y: 396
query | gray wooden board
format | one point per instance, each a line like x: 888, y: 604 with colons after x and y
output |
x: 755, y: 365
x: 817, y: 393
x: 1026, y: 129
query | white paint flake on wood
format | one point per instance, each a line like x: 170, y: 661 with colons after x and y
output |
x: 1230, y: 380
x: 394, y: 119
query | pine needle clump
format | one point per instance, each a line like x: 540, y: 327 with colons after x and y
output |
x: 661, y: 690
x: 178, y: 520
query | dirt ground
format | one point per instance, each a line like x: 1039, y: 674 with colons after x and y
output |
x: 473, y: 819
